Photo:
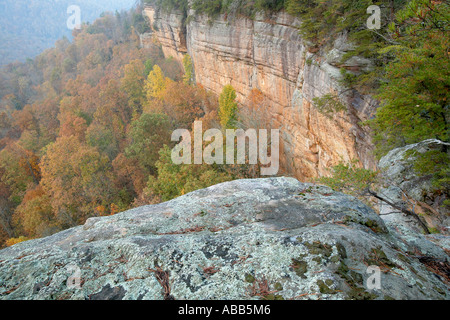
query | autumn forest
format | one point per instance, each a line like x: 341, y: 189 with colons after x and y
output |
x: 85, y: 130
x: 85, y: 127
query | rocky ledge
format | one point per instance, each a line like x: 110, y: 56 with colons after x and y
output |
x: 271, y: 238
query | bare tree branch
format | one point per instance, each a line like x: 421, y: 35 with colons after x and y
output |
x: 405, y: 211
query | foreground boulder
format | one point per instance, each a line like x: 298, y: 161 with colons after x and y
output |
x: 271, y: 238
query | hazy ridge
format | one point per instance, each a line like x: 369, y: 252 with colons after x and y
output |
x: 30, y: 27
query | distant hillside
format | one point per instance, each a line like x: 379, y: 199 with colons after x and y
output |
x: 27, y: 27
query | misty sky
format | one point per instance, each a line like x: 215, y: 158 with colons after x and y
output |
x: 28, y: 27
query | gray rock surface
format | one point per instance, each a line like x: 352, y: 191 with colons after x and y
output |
x: 401, y: 180
x: 271, y: 238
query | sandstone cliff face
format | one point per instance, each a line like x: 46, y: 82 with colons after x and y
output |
x: 303, y: 241
x: 268, y: 54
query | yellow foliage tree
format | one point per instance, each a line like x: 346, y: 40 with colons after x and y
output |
x: 13, y: 241
x: 228, y: 108
x: 155, y: 84
x: 155, y: 89
x: 133, y: 84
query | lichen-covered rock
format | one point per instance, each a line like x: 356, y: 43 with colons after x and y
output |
x: 271, y: 238
x: 402, y: 185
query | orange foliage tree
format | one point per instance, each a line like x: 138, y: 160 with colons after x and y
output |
x: 77, y: 178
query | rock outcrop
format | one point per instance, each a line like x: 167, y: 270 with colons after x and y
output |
x: 405, y: 187
x: 267, y: 53
x: 271, y: 238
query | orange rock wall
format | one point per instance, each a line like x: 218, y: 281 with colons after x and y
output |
x: 268, y: 54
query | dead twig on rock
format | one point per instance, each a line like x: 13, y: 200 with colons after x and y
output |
x: 163, y: 279
x: 210, y: 270
x: 260, y: 288
x: 437, y: 266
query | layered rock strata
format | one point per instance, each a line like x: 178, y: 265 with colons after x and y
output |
x: 268, y: 54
